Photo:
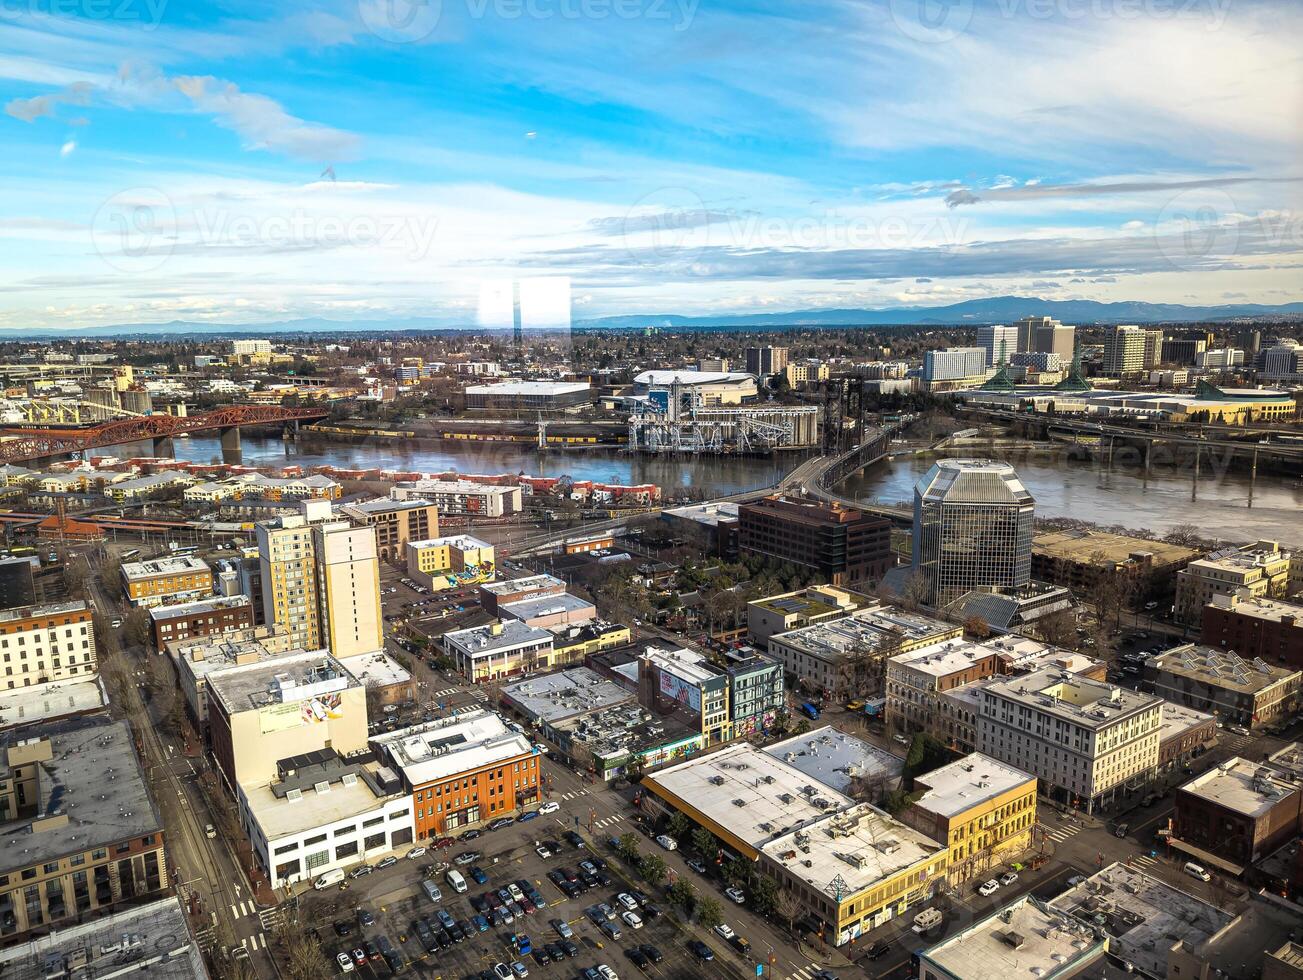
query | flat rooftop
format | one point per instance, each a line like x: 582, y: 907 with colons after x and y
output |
x: 45, y: 702
x: 1101, y: 547
x: 1261, y: 607
x: 685, y: 664
x: 800, y: 603
x: 1143, y: 915
x: 944, y: 658
x: 198, y: 608
x: 462, y: 743
x: 548, y: 605
x: 687, y: 376
x: 166, y: 950
x: 554, y: 697
x: 1219, y: 668
x: 1177, y: 720
x: 1024, y: 939
x: 860, y: 845
x: 1082, y: 701
x: 1249, y: 788
x: 873, y: 627
x: 155, y: 567
x: 530, y: 583
x: 835, y: 758
x: 709, y: 514
x: 510, y: 633
x: 530, y: 388
x: 745, y: 796
x: 94, y: 778
x: 1240, y: 559
x: 282, y: 813
x: 465, y: 542
x: 294, y: 677
x: 41, y: 611
x: 375, y: 669
x: 965, y: 783
x: 384, y: 505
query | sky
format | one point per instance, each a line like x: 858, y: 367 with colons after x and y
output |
x: 243, y: 161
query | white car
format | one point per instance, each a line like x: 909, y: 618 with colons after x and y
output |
x: 416, y: 852
x: 516, y: 893
x: 345, y: 963
x: 543, y: 851
x: 735, y: 895
x: 988, y: 887
x: 606, y: 972
x: 667, y: 842
x: 550, y: 807
x: 724, y: 931
x: 632, y: 919
x: 628, y: 901
x: 502, y: 971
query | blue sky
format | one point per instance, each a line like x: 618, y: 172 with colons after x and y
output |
x: 249, y: 162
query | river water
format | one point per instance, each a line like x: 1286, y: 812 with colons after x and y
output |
x: 1062, y: 487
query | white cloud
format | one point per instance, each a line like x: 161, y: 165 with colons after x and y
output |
x: 67, y: 148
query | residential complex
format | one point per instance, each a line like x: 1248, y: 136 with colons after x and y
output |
x: 793, y: 610
x: 1238, y: 691
x: 80, y: 829
x: 462, y: 498
x: 972, y: 529
x: 396, y: 522
x: 163, y: 580
x: 1084, y: 740
x: 764, y: 361
x: 203, y: 617
x: 954, y: 367
x: 843, y: 545
x: 1085, y: 561
x: 1261, y: 569
x: 40, y: 644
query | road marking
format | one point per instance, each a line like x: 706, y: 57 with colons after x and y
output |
x: 1144, y: 860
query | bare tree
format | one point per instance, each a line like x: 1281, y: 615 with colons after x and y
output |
x: 788, y: 907
x: 914, y: 592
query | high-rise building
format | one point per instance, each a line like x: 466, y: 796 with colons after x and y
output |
x: 47, y: 643
x: 972, y: 528
x: 321, y: 580
x: 1282, y: 362
x: 954, y: 366
x: 1045, y: 335
x: 1124, y: 351
x: 1183, y: 350
x: 764, y: 361
x: 843, y: 544
x: 999, y: 342
x: 1221, y: 359
x: 1153, y: 347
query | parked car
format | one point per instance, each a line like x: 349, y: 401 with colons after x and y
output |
x: 701, y: 950
x: 697, y: 866
x: 416, y: 852
x: 632, y: 919
x: 467, y: 857
x: 552, y: 806
x: 345, y: 963
x: 384, y: 863
x: 988, y: 887
x: 735, y: 895
x: 667, y: 842
x: 562, y: 928
x: 478, y: 874
x: 1008, y: 878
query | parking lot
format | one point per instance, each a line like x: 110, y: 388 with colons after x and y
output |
x: 395, y: 900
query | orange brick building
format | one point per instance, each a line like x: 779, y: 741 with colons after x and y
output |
x: 462, y: 771
x: 153, y: 583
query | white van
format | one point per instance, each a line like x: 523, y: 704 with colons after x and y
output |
x: 432, y: 890
x: 456, y: 880
x: 328, y: 879
x: 1197, y: 871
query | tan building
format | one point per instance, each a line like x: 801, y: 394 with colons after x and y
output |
x: 1251, y: 693
x: 163, y: 580
x: 1081, y: 560
x: 62, y: 862
x: 39, y: 644
x: 288, y: 567
x: 792, y: 610
x: 1263, y: 569
x: 984, y: 809
x: 261, y: 713
x: 396, y: 522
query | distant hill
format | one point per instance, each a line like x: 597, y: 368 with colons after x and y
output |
x: 996, y: 309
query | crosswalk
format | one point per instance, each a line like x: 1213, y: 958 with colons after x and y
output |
x: 1236, y: 742
x: 270, y: 918
x: 255, y: 942
x: 608, y: 821
x: 205, y: 939
x: 807, y: 972
x: 241, y: 909
x: 1144, y: 861
x: 1059, y: 834
x: 574, y: 795
x: 445, y: 692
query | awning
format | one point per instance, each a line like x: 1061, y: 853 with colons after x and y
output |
x: 1207, y: 857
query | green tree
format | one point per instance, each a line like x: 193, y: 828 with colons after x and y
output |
x: 709, y: 913
x: 703, y: 842
x: 678, y: 825
x: 683, y: 895
x: 737, y: 872
x: 628, y: 848
x: 762, y: 896
x: 653, y: 868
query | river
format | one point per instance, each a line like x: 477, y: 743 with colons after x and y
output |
x: 1062, y: 487
x: 1082, y: 490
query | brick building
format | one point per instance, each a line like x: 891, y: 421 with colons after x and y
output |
x: 396, y: 522
x: 1256, y: 627
x: 842, y: 544
x: 153, y: 583
x: 186, y: 620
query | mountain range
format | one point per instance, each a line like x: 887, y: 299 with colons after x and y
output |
x: 996, y: 309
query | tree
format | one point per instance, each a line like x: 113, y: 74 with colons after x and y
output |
x: 977, y: 627
x: 683, y: 895
x: 678, y: 825
x: 787, y: 907
x: 709, y: 913
x: 653, y: 868
x: 74, y: 577
x: 1059, y: 629
x: 135, y: 628
x: 762, y: 896
x: 298, y: 956
x: 703, y: 842
x: 914, y: 592
x: 737, y: 872
x: 628, y: 847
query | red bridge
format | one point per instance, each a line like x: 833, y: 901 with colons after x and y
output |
x: 21, y: 443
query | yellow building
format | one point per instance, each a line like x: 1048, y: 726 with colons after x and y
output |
x: 1262, y: 568
x: 289, y: 578
x: 574, y: 643
x: 983, y: 809
x: 451, y: 562
x: 153, y: 583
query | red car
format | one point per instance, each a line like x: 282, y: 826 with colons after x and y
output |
x: 443, y: 842
x: 359, y: 956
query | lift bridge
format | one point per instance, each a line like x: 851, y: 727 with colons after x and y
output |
x: 675, y: 420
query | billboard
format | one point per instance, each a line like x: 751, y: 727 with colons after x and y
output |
x: 292, y: 714
x: 676, y: 688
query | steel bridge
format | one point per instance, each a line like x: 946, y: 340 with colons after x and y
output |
x: 21, y: 443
